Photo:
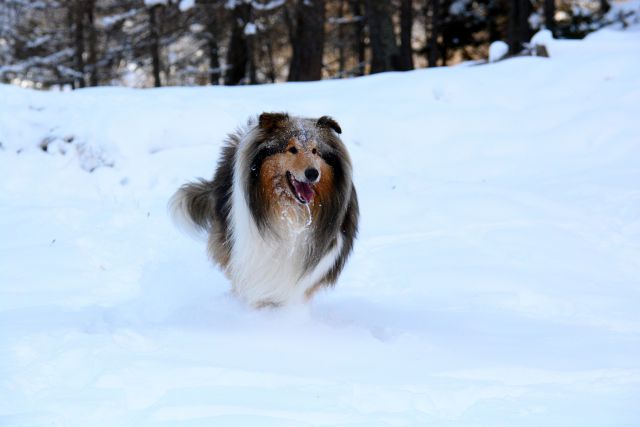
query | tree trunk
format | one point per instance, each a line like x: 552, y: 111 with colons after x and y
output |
x: 384, y: 50
x: 155, y: 44
x: 549, y: 15
x: 78, y: 13
x: 238, y: 52
x: 356, y: 10
x: 406, y: 26
x: 341, y: 42
x: 214, y: 62
x: 251, y: 62
x: 493, y: 12
x: 272, y: 65
x: 433, y: 12
x: 512, y: 30
x: 307, y: 41
x: 525, y: 28
x: 212, y: 45
x: 93, y: 55
x: 519, y: 31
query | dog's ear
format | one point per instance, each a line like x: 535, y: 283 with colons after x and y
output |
x: 326, y: 121
x: 272, y: 121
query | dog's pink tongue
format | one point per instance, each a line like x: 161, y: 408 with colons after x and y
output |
x: 304, y: 190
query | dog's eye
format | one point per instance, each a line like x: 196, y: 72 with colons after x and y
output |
x: 293, y: 150
x: 314, y: 151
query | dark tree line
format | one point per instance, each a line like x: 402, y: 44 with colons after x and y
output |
x: 83, y: 43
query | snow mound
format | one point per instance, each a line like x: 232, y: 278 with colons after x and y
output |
x: 542, y: 38
x: 498, y: 50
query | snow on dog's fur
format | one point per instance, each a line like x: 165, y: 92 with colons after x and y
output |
x: 281, y: 212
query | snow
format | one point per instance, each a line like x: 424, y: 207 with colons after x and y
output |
x: 271, y: 5
x: 498, y: 50
x: 151, y: 3
x: 542, y: 38
x: 495, y: 281
x: 458, y: 7
x: 250, y: 29
x: 186, y: 4
x: 624, y: 15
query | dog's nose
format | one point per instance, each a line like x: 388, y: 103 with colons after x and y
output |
x: 311, y: 174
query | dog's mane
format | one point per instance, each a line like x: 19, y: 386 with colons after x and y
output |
x: 330, y: 221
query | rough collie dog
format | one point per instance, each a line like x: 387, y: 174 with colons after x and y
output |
x: 281, y: 212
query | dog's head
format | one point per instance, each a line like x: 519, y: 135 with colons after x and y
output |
x: 296, y: 162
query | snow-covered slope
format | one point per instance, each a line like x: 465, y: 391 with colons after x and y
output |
x: 496, y: 280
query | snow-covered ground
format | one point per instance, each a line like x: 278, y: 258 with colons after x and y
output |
x: 496, y: 280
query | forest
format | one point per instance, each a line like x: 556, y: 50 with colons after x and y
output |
x: 145, y: 43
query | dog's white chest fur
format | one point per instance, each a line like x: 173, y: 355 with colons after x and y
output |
x: 270, y: 270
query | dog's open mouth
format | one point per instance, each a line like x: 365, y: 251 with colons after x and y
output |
x: 302, y: 190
